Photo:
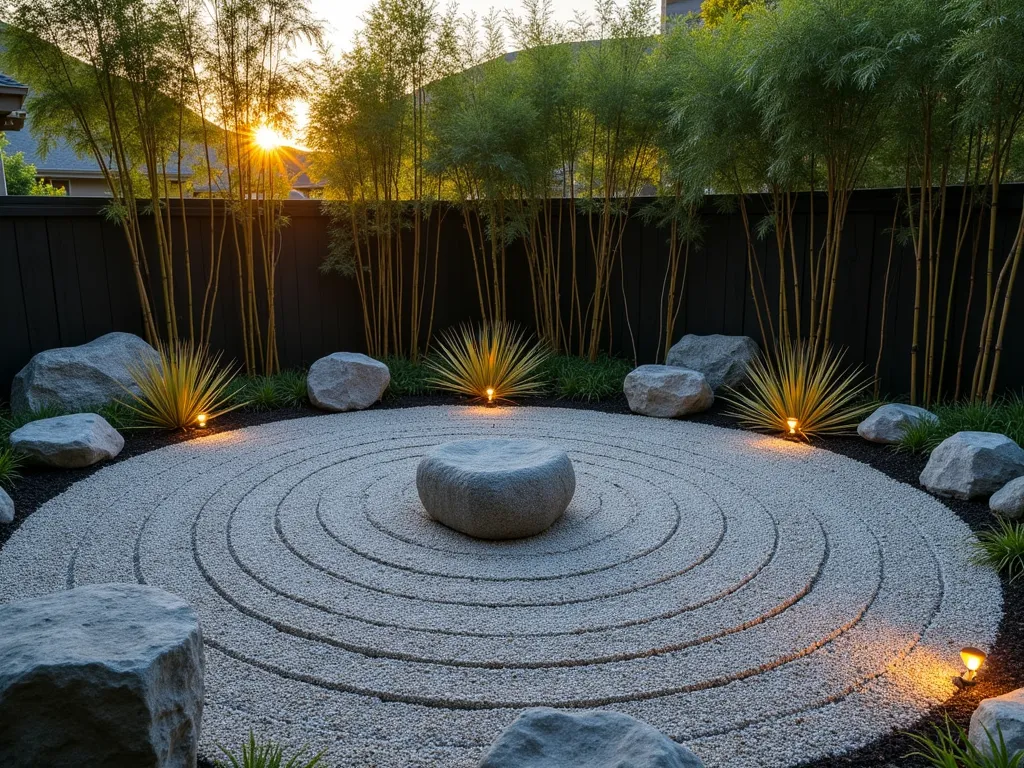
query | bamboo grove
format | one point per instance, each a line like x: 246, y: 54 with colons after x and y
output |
x: 762, y: 102
x: 165, y: 96
x: 769, y: 106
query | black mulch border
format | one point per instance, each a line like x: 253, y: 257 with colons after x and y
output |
x: 1003, y: 671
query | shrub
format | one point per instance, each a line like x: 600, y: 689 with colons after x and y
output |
x: 182, y: 383
x: 576, y: 378
x: 1001, y: 548
x: 1005, y: 416
x: 950, y: 748
x: 495, y: 362
x: 266, y: 754
x: 796, y: 383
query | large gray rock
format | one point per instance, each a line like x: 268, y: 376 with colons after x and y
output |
x: 82, y: 377
x: 667, y: 391
x: 890, y: 422
x: 999, y: 715
x: 101, y: 675
x: 551, y: 738
x: 346, y: 381
x: 496, y: 488
x: 1008, y: 501
x: 6, y: 507
x: 972, y: 465
x: 722, y: 359
x: 68, y: 442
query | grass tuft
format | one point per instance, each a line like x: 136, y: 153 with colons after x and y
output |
x: 266, y: 754
x: 286, y: 389
x: 1001, y: 548
x: 407, y: 377
x: 1005, y: 416
x: 10, y: 467
x: 949, y: 747
x: 576, y: 378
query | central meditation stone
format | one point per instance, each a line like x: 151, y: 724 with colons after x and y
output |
x: 496, y: 488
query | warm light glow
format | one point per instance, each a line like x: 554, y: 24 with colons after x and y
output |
x: 267, y: 139
x: 973, y: 659
x: 201, y: 419
x: 490, y: 394
x: 793, y: 424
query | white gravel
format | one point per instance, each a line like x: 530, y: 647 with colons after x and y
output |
x: 764, y: 602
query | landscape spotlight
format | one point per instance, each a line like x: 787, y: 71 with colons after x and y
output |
x: 973, y: 658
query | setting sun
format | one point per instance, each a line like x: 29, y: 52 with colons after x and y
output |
x: 267, y: 139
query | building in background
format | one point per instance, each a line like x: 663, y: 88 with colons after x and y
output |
x: 670, y: 8
x: 81, y: 176
x: 12, y: 115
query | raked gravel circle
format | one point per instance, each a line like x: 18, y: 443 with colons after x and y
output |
x: 762, y: 601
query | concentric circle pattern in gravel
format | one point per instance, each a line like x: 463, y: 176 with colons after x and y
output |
x: 762, y: 601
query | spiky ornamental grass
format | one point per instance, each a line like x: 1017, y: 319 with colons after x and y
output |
x: 797, y: 383
x: 494, y: 362
x: 949, y: 747
x: 1001, y: 548
x: 183, y: 382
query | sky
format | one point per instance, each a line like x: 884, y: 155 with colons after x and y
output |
x: 342, y: 16
x: 341, y: 20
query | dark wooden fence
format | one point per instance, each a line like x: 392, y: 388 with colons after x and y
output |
x: 65, y: 278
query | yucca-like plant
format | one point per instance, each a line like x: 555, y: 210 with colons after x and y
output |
x: 266, y: 754
x: 182, y: 383
x: 493, y: 362
x: 796, y: 391
x: 1001, y: 548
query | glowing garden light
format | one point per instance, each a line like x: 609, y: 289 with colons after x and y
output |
x: 793, y: 424
x: 201, y: 420
x: 973, y: 658
x: 490, y: 395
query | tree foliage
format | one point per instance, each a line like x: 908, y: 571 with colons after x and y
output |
x: 21, y: 175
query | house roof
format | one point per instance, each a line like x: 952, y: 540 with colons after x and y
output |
x: 61, y: 160
x: 10, y: 82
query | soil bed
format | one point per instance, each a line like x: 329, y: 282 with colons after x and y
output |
x: 1003, y: 671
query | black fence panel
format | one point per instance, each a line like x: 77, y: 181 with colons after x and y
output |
x: 66, y: 278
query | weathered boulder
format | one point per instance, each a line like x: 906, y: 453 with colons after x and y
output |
x: 722, y: 359
x: 82, y: 377
x: 346, y: 381
x: 552, y: 738
x: 667, y: 391
x: 68, y: 442
x: 496, y: 488
x: 1008, y: 501
x: 6, y: 507
x: 101, y: 675
x: 972, y: 465
x: 890, y: 422
x: 999, y: 715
